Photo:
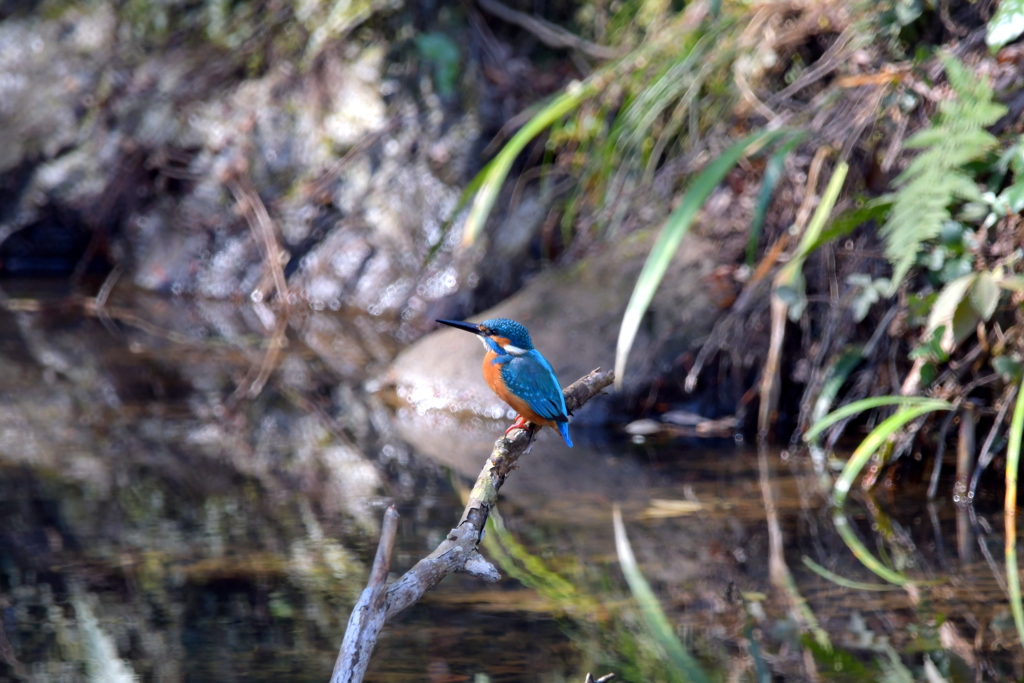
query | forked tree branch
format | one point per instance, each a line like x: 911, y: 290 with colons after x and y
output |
x: 458, y: 552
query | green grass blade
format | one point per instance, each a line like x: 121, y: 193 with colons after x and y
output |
x: 494, y: 174
x: 867, y: 404
x: 809, y: 240
x: 837, y: 376
x: 671, y: 235
x: 772, y: 173
x: 863, y: 554
x: 846, y: 222
x: 877, y: 437
x: 656, y: 620
x: 788, y: 284
x: 844, y: 582
x: 1010, y: 512
x: 467, y: 194
x: 856, y: 463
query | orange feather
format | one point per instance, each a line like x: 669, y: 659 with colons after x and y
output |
x: 492, y: 374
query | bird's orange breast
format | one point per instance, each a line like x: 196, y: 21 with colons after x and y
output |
x: 492, y: 375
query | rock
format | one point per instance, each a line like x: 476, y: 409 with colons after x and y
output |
x: 643, y: 427
x: 47, y: 72
x: 132, y: 141
x: 573, y: 314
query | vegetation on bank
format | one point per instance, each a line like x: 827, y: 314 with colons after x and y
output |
x: 906, y: 302
x: 921, y: 255
x: 772, y: 97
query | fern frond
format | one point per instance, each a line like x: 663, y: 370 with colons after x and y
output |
x: 935, y: 179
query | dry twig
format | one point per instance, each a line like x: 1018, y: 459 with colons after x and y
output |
x: 550, y: 34
x: 780, y: 309
x: 266, y: 237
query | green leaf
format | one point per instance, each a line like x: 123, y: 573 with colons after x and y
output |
x: 1016, y: 158
x: 1013, y: 196
x: 1009, y: 368
x: 931, y: 348
x: 850, y: 219
x: 1006, y: 25
x: 671, y: 235
x: 918, y: 307
x: 851, y: 471
x: 953, y: 268
x: 965, y: 323
x: 494, y: 174
x: 952, y: 234
x: 946, y: 305
x: 443, y: 54
x: 928, y: 374
x: 985, y: 295
x: 868, y: 403
x: 1014, y: 283
x: 868, y: 294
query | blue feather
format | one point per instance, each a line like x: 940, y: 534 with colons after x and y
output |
x: 531, y: 378
x: 563, y: 429
x: 511, y: 330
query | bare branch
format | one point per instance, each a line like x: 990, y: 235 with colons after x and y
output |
x: 367, y: 616
x: 458, y: 552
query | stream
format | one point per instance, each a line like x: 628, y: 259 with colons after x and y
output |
x: 191, y: 491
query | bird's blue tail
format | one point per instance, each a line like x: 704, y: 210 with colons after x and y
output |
x: 563, y: 429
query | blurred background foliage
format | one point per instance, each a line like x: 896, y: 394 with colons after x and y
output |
x: 860, y: 167
x: 941, y: 196
x: 933, y: 183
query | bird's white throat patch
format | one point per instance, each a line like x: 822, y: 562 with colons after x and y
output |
x: 514, y: 350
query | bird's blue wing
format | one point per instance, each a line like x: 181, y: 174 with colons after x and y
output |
x: 531, y: 378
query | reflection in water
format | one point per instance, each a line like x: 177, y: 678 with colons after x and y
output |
x: 158, y: 523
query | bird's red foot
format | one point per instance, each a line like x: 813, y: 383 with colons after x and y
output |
x: 520, y: 423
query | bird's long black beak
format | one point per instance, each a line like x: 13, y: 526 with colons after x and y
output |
x: 460, y: 325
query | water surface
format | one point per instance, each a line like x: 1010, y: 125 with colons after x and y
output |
x: 191, y: 491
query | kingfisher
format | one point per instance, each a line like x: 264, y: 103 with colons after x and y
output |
x: 519, y: 375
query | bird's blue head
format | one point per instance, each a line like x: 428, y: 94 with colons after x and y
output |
x: 500, y: 334
x: 517, y: 335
